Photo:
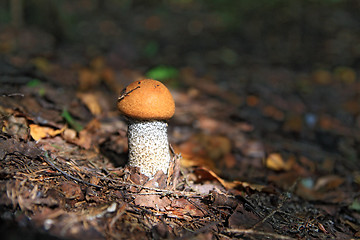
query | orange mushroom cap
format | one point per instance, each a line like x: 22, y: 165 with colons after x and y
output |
x: 147, y: 99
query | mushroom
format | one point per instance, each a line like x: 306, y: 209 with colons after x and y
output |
x: 147, y: 104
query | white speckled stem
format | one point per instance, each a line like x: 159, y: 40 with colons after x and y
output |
x: 149, y: 146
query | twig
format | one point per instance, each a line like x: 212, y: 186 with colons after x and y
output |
x: 124, y: 94
x: 50, y: 162
x: 12, y: 95
x: 261, y: 233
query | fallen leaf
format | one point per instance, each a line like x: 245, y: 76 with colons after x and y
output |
x: 275, y: 162
x: 328, y: 183
x: 152, y: 200
x: 91, y: 101
x: 84, y: 139
x: 185, y: 207
x: 204, y: 174
x: 335, y: 196
x: 38, y: 132
x: 205, y: 151
x: 325, y: 189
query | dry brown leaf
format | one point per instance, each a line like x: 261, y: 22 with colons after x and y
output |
x: 205, y: 150
x: 328, y: 183
x: 91, y: 101
x: 38, y: 132
x: 153, y: 201
x: 204, y: 174
x: 84, y: 140
x: 335, y: 196
x: 182, y: 206
x: 16, y: 126
x: 193, y: 155
x: 275, y: 162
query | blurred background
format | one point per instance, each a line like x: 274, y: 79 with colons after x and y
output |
x: 227, y: 39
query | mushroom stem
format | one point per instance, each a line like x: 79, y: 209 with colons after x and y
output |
x: 148, y: 146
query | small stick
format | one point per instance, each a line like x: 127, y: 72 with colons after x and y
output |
x: 50, y: 162
x: 12, y: 95
x: 124, y: 94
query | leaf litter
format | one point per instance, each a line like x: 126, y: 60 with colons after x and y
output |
x: 69, y: 189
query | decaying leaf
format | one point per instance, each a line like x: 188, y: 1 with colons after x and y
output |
x: 325, y: 189
x: 275, y: 162
x: 38, y: 132
x: 204, y: 174
x: 91, y: 101
x: 16, y: 126
x: 205, y: 151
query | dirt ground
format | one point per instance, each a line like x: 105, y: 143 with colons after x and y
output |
x: 264, y: 141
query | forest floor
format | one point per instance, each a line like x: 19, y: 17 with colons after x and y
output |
x: 259, y: 151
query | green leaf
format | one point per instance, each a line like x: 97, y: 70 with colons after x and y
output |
x: 70, y: 120
x: 34, y: 83
x: 162, y: 73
